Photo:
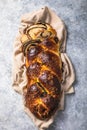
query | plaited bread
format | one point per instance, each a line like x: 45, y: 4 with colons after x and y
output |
x: 44, y: 69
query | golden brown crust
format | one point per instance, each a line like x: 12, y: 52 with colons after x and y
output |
x: 43, y: 63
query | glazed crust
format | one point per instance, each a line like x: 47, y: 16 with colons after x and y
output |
x: 43, y: 64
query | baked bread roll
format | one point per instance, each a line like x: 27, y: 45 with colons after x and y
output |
x: 41, y: 49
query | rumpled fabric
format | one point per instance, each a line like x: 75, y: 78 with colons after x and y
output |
x: 19, y: 78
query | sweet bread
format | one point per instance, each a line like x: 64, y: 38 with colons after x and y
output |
x: 41, y: 48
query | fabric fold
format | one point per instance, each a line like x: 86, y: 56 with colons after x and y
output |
x: 68, y: 74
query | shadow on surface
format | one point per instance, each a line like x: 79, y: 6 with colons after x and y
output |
x: 60, y: 117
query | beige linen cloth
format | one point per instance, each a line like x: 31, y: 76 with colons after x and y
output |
x: 19, y: 70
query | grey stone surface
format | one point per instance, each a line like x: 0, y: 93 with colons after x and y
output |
x: 74, y: 14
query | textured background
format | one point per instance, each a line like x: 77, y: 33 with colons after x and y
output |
x: 74, y: 14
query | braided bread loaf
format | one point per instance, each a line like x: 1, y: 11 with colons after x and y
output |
x: 43, y: 64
